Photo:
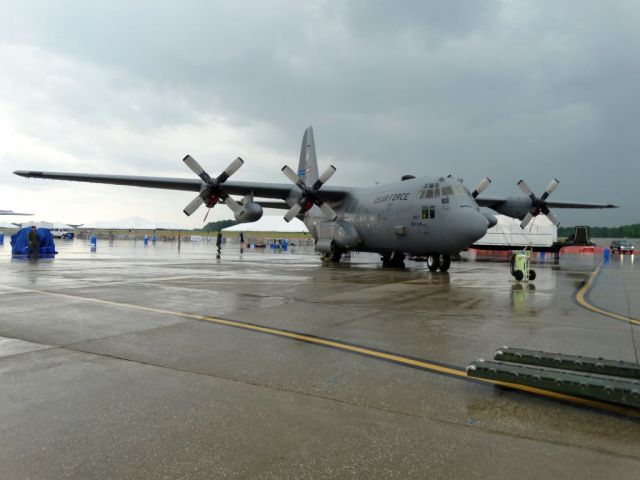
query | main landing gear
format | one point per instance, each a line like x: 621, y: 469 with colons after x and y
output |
x: 336, y: 253
x: 438, y: 262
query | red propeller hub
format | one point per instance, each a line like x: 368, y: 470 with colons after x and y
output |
x: 212, y: 201
x: 308, y: 203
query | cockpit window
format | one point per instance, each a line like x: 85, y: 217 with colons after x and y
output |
x: 455, y: 189
x: 432, y: 190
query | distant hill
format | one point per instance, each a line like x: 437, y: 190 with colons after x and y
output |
x: 625, y: 231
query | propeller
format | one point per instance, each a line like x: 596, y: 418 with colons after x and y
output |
x: 309, y: 195
x: 212, y: 192
x: 539, y: 204
x: 484, y: 183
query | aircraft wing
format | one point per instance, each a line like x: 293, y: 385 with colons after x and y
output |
x: 490, y: 202
x: 496, y: 203
x: 580, y: 205
x: 259, y: 189
x: 527, y: 207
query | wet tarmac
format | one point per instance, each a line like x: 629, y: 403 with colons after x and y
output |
x: 146, y: 362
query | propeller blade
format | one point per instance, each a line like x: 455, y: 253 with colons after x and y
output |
x: 484, y: 183
x: 525, y: 188
x: 234, y: 206
x: 552, y: 186
x: 326, y: 175
x: 196, y: 168
x: 230, y: 170
x: 193, y: 205
x: 525, y: 221
x: 292, y: 212
x: 291, y: 175
x: 553, y: 218
x: 328, y: 212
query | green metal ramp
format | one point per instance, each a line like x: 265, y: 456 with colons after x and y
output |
x: 594, y: 378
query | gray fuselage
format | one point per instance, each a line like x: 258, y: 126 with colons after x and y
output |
x: 418, y: 216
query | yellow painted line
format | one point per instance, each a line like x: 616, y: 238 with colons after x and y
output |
x: 582, y: 300
x: 424, y: 365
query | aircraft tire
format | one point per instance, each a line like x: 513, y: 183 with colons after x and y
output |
x: 433, y: 262
x: 445, y: 263
x: 393, y: 259
x: 512, y: 264
x: 398, y: 260
x: 532, y: 275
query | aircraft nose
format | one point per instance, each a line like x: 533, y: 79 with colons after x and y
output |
x: 467, y: 225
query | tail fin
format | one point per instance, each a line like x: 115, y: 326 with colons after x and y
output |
x: 308, y: 164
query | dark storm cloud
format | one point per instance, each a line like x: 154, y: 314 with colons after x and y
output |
x: 505, y: 89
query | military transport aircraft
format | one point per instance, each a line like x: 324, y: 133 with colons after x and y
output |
x: 432, y: 217
x: 11, y: 212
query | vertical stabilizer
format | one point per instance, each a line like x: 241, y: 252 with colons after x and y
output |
x: 308, y: 164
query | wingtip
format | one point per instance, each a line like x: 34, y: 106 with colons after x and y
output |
x: 28, y: 173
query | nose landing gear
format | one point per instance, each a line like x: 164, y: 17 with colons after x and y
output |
x: 393, y: 259
x: 438, y: 262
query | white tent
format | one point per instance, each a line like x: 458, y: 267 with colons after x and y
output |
x: 270, y: 223
x: 62, y: 226
x: 540, y: 232
x: 131, y: 223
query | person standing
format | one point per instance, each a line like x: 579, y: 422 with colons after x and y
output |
x: 219, y: 243
x: 34, y: 243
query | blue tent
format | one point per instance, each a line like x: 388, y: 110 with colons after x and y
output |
x: 20, y: 242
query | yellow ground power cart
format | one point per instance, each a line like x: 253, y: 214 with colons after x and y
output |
x: 519, y: 265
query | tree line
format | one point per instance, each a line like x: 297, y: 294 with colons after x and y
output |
x: 625, y: 231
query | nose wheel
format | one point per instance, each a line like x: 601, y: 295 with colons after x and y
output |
x: 438, y: 262
x: 393, y: 259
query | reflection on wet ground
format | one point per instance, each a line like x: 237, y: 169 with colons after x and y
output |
x: 111, y: 368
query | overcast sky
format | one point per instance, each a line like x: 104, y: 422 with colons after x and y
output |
x: 505, y: 89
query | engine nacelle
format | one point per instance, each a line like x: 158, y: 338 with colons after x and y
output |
x: 251, y: 212
x: 340, y: 233
x: 514, y: 207
x: 323, y: 245
x: 491, y: 219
